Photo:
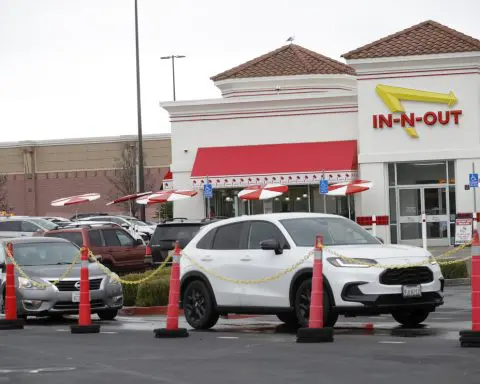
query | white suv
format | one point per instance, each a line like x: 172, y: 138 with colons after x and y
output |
x: 259, y: 246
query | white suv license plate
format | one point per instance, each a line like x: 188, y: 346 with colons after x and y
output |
x: 412, y: 291
x: 75, y: 297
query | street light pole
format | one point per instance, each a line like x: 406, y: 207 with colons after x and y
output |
x: 141, y: 178
x: 173, y: 57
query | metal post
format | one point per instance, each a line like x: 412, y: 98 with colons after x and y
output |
x: 173, y: 77
x: 141, y: 179
x: 474, y: 216
x: 173, y: 57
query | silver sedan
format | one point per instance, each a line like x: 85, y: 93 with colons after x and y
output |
x: 44, y: 260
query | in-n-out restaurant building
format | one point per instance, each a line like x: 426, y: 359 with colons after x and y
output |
x: 404, y: 113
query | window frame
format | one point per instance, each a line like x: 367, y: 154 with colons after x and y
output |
x: 123, y: 232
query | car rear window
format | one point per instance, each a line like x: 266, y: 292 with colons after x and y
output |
x: 175, y: 232
x: 74, y: 237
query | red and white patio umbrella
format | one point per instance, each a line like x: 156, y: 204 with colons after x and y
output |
x: 349, y: 187
x: 126, y: 198
x: 72, y: 200
x: 165, y: 196
x: 258, y: 192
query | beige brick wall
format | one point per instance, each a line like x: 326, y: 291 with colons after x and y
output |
x: 11, y: 160
x: 55, y: 158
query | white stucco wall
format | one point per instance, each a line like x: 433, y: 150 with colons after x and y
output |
x: 435, y: 73
x: 282, y: 119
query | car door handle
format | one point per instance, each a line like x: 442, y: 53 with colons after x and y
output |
x: 246, y: 258
x: 206, y: 258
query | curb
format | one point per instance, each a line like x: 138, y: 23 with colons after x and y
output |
x: 457, y: 282
x: 162, y: 310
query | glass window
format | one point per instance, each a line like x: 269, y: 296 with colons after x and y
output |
x: 295, y: 200
x: 44, y: 253
x: 206, y: 241
x: 95, y: 238
x: 10, y: 226
x: 111, y: 240
x: 263, y: 230
x: 74, y: 237
x: 125, y: 239
x: 421, y: 173
x: 45, y: 224
x: 391, y: 174
x: 228, y: 236
x: 335, y: 231
x: 26, y: 226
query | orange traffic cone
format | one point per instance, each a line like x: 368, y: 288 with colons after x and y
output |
x: 173, y: 309
x: 84, y: 319
x: 471, y: 338
x: 316, y: 332
x: 10, y: 321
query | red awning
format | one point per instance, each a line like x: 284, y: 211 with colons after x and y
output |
x: 298, y: 163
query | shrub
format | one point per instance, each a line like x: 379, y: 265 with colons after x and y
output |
x: 153, y: 292
x: 130, y: 290
x: 455, y: 270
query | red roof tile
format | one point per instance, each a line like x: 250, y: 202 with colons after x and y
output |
x: 289, y: 60
x: 426, y: 38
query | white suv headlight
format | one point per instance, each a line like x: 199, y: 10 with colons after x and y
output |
x: 432, y: 260
x: 27, y: 284
x: 351, y: 263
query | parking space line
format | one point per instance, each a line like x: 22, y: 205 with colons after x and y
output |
x: 391, y: 342
x: 227, y: 337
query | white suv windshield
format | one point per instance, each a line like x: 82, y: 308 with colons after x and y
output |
x: 43, y: 223
x: 335, y: 231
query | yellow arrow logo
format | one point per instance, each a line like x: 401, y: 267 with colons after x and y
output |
x: 392, y: 97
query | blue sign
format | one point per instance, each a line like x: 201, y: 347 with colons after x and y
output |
x: 473, y: 180
x: 323, y: 187
x: 208, y: 191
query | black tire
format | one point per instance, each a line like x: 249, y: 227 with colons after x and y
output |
x: 410, y: 317
x: 108, y: 314
x: 302, y: 305
x: 198, y: 306
x: 289, y: 318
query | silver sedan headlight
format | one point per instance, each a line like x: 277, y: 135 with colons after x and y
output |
x: 113, y: 279
x: 27, y: 284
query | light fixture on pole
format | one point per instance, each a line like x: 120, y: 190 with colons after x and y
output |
x: 141, y: 179
x: 173, y: 57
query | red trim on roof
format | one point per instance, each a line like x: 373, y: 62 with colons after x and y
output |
x: 276, y: 159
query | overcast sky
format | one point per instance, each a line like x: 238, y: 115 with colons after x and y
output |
x: 67, y: 67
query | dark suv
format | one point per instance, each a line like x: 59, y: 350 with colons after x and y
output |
x: 169, y: 231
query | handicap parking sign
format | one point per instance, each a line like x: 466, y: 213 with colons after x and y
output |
x: 323, y: 187
x: 208, y: 191
x: 473, y: 180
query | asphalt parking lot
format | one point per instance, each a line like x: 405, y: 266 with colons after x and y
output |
x: 257, y: 350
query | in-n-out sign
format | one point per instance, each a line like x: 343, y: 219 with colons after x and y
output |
x: 392, y: 97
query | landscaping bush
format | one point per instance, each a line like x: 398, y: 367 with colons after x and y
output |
x: 153, y: 292
x: 131, y: 292
x: 455, y: 270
